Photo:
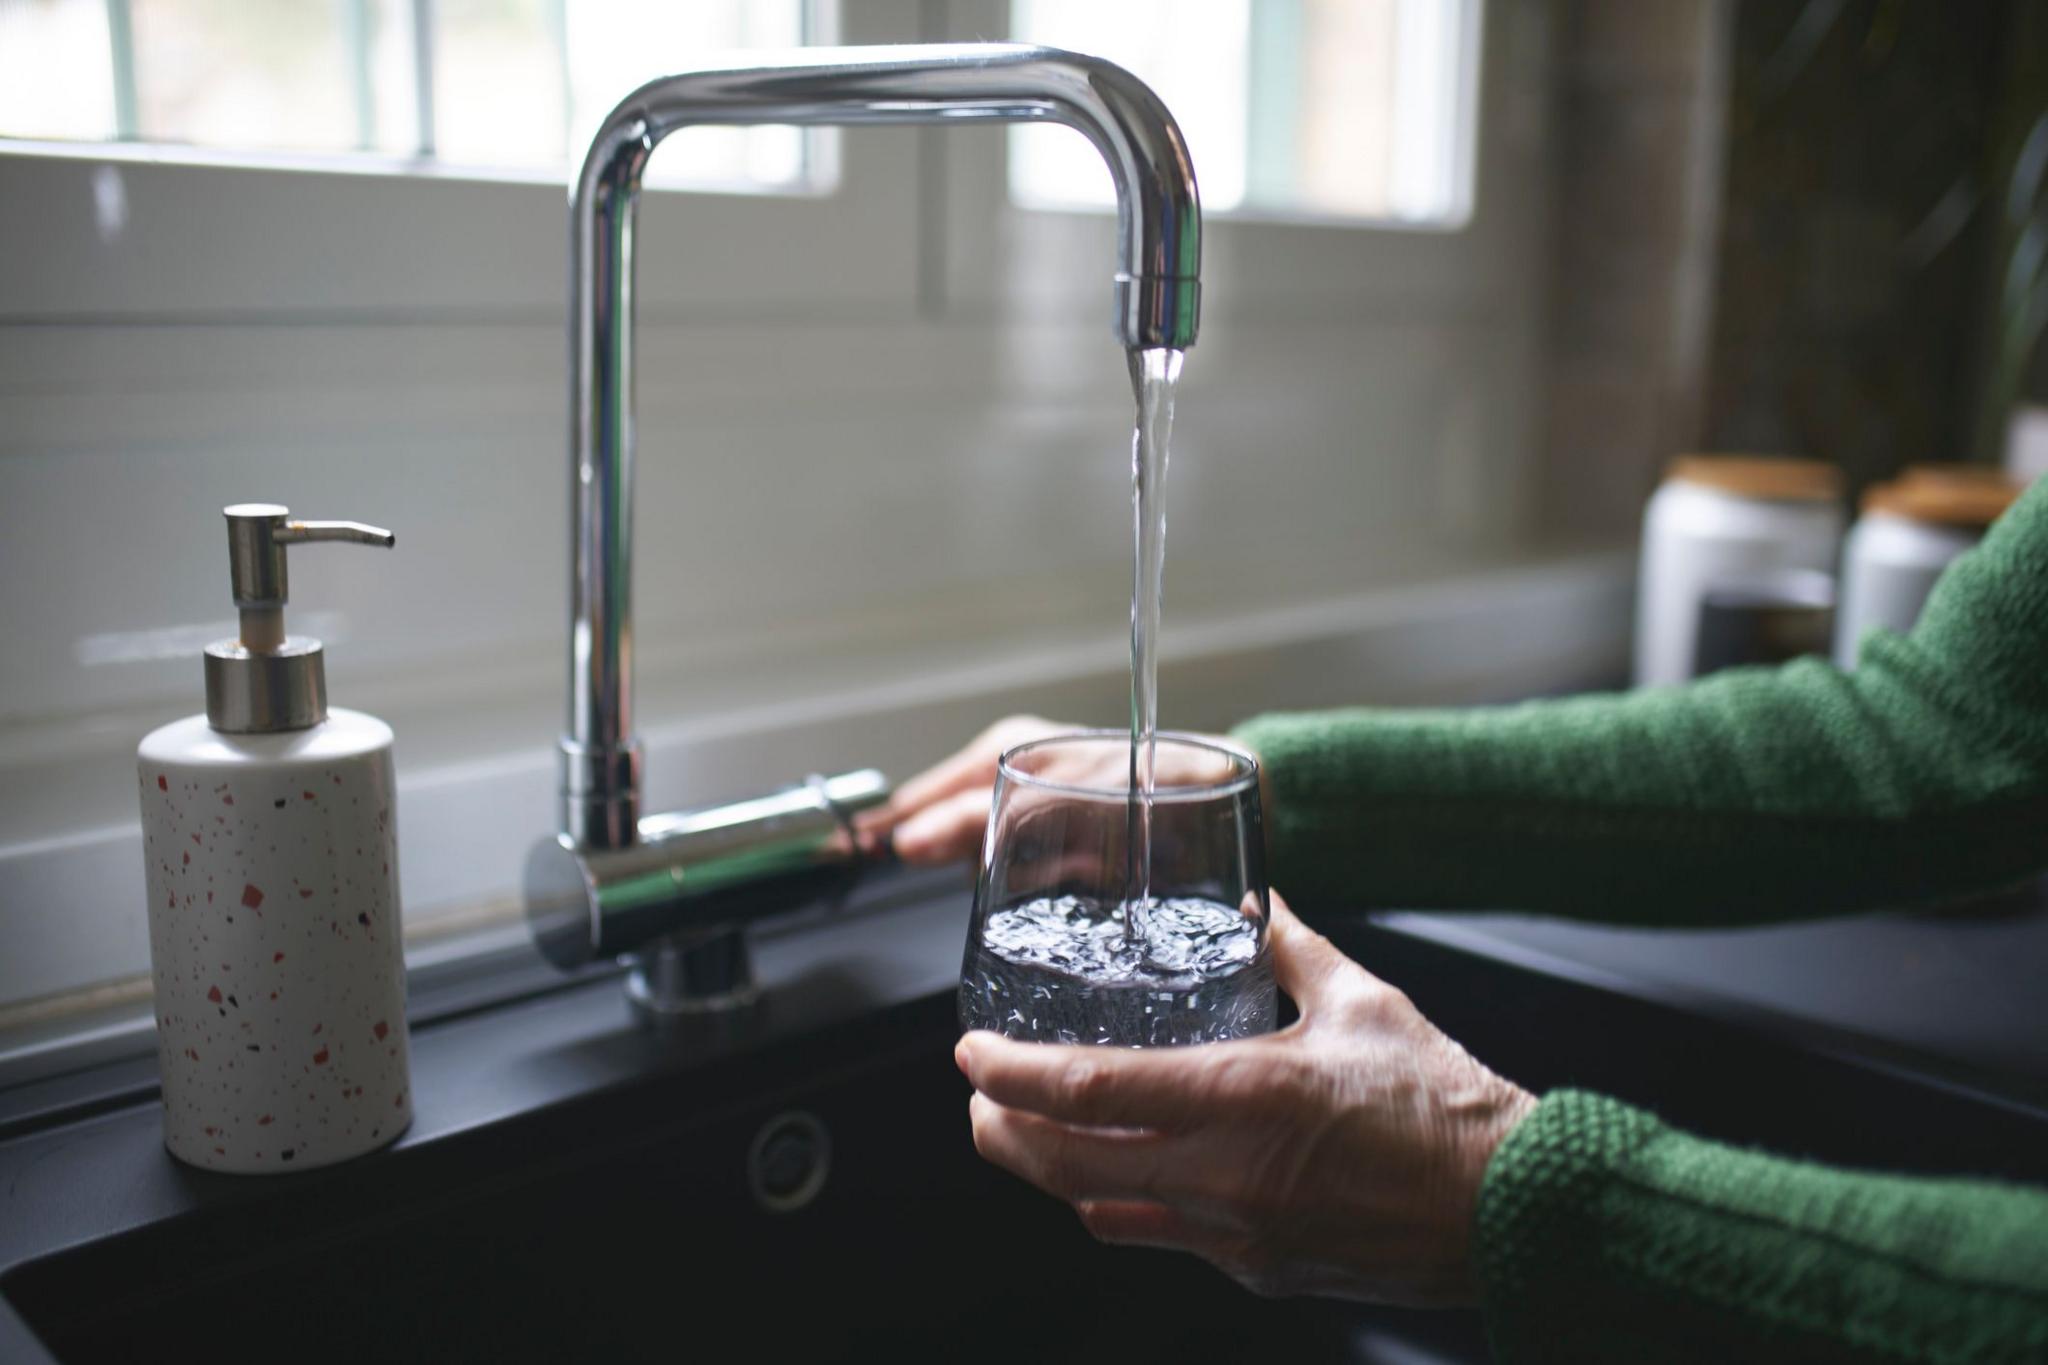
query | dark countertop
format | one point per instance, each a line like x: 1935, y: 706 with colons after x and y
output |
x: 107, y: 1172
x: 1950, y: 1001
x: 1958, y: 992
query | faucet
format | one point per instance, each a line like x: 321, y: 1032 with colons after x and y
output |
x: 613, y: 881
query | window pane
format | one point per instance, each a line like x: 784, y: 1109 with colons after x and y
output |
x: 499, y: 97
x: 1192, y: 52
x: 514, y: 83
x: 284, y: 74
x: 525, y: 82
x: 667, y: 36
x: 1351, y: 108
x: 56, y: 69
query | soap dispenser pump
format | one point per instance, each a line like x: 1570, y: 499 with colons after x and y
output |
x: 270, y: 843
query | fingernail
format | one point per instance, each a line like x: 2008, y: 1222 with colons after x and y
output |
x: 963, y: 1057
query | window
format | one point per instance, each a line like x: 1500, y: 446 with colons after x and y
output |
x: 1358, y: 109
x: 501, y: 86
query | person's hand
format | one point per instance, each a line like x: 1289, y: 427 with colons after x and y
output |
x: 939, y: 816
x: 1341, y: 1156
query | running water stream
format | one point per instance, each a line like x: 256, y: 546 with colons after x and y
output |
x: 1154, y: 374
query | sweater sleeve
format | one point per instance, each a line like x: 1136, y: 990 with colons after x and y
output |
x: 1752, y: 795
x: 1603, y: 1235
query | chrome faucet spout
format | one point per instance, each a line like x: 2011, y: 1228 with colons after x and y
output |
x: 1156, y: 294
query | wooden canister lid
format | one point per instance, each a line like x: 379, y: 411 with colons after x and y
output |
x: 1969, y: 497
x: 1960, y: 475
x: 1766, y: 477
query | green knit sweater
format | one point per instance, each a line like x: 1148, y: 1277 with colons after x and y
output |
x: 1755, y: 795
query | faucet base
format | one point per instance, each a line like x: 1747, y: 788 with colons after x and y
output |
x: 695, y: 986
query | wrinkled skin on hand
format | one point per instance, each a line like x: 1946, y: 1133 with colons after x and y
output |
x: 1341, y: 1156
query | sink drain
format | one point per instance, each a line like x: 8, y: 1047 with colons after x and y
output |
x: 788, y: 1161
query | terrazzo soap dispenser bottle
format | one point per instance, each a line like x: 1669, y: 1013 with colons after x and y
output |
x: 269, y: 835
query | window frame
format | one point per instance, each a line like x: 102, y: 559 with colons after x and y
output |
x: 109, y: 231
x: 1260, y: 264
x: 1466, y: 172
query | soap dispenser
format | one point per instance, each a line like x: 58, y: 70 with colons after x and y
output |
x: 269, y: 833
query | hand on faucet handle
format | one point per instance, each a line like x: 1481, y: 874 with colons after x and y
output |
x: 939, y: 816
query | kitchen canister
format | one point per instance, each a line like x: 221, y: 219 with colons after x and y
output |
x: 1722, y: 519
x: 1909, y: 531
x: 1769, y: 617
x: 271, y: 860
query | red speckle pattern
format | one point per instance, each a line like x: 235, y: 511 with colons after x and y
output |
x: 239, y: 976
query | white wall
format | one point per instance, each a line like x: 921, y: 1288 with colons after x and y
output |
x: 884, y: 455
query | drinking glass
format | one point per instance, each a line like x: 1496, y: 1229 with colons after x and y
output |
x: 1067, y: 944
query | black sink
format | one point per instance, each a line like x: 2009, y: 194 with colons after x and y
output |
x: 631, y: 1228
